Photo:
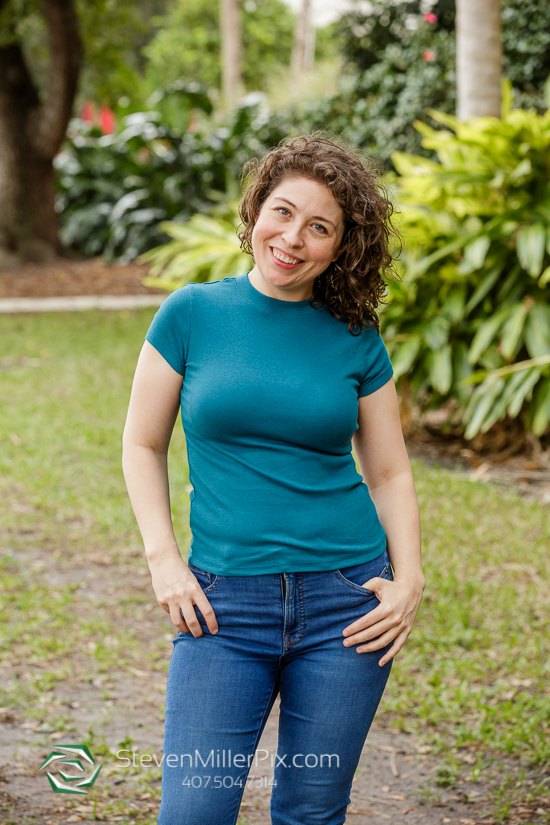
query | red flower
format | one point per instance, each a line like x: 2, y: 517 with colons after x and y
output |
x: 88, y: 112
x: 430, y: 17
x: 429, y: 56
x: 106, y: 120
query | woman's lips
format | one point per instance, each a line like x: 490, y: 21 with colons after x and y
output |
x: 282, y: 264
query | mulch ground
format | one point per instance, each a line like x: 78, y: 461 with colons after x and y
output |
x: 72, y: 277
x: 506, y: 455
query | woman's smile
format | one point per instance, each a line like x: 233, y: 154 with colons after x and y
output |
x: 284, y: 260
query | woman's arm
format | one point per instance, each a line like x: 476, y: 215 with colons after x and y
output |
x: 152, y: 412
x: 382, y: 456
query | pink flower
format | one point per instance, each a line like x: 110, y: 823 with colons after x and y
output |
x: 88, y: 112
x: 430, y: 17
x: 106, y: 120
x: 429, y: 56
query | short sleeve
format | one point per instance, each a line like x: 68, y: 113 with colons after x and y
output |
x: 171, y: 327
x: 378, y: 368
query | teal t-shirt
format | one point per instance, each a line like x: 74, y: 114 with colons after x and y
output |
x: 269, y: 404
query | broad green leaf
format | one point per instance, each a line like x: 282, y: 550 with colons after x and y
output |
x: 516, y: 402
x: 522, y: 170
x: 436, y: 332
x: 425, y: 263
x: 545, y: 277
x: 537, y: 330
x: 498, y: 412
x: 453, y: 306
x: 481, y: 404
x: 461, y: 368
x: 510, y: 282
x: 474, y: 254
x: 512, y: 329
x: 530, y: 245
x: 541, y: 408
x: 127, y: 201
x: 441, y: 369
x: 485, y: 334
x: 485, y: 285
x: 405, y: 356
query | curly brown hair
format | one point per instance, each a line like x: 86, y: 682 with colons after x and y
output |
x: 353, y: 286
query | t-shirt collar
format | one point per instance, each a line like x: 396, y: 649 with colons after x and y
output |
x: 265, y: 301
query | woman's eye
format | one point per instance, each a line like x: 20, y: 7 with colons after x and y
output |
x: 319, y: 226
x: 282, y: 209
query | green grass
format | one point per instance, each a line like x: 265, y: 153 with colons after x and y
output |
x: 472, y: 678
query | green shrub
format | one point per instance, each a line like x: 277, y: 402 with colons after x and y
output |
x: 476, y: 268
x: 114, y: 190
x: 399, y: 63
x: 375, y: 108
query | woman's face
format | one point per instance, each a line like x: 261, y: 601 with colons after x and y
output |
x: 296, y: 236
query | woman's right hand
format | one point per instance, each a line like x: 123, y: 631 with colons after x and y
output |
x: 176, y: 588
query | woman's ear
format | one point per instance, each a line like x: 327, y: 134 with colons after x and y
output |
x: 340, y: 251
x: 343, y: 246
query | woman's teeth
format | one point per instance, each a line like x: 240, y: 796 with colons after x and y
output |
x: 284, y: 258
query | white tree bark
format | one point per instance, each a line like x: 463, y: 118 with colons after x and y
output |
x: 478, y: 58
x: 231, y: 50
x: 304, y: 41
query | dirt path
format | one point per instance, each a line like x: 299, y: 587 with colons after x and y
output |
x: 394, y: 782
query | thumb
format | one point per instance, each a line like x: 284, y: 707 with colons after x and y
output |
x: 375, y: 585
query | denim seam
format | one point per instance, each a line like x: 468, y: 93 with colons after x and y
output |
x: 358, y: 587
x: 258, y: 737
x: 215, y: 582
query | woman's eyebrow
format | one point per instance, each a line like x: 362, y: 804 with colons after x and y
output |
x: 313, y: 217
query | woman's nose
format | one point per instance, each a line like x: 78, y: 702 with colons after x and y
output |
x: 292, y: 236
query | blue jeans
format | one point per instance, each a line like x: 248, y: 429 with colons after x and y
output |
x: 278, y: 634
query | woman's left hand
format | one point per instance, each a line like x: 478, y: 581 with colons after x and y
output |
x: 391, y: 620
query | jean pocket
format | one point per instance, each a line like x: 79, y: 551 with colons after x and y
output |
x: 206, y: 580
x: 356, y: 575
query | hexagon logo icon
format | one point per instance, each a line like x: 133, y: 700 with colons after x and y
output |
x: 72, y: 756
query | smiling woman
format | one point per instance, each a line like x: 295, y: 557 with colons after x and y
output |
x: 332, y: 216
x: 294, y: 559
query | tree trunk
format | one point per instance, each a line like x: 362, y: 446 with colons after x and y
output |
x: 231, y: 50
x: 304, y: 39
x: 31, y: 132
x: 478, y: 58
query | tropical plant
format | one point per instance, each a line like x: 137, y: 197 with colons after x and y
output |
x: 473, y: 303
x: 206, y: 248
x: 114, y: 190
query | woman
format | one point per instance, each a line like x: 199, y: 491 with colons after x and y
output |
x: 288, y: 587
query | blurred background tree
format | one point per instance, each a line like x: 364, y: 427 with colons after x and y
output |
x: 187, y: 43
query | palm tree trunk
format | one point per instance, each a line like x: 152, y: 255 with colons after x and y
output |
x: 231, y: 50
x: 478, y: 58
x: 302, y: 54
